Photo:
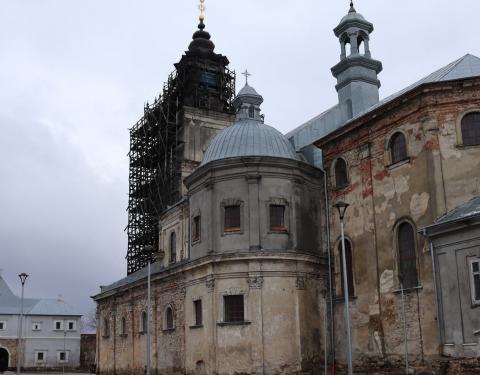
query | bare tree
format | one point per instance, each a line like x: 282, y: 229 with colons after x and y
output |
x: 89, y: 321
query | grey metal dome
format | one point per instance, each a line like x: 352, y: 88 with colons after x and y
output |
x: 249, y: 136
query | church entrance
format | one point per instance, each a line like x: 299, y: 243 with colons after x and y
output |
x: 4, y: 359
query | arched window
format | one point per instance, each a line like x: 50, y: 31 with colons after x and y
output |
x: 169, y: 318
x: 251, y: 111
x: 341, y: 178
x: 471, y: 129
x: 123, y: 327
x: 349, y: 261
x: 144, y: 322
x: 173, y: 247
x: 407, y: 256
x: 398, y: 148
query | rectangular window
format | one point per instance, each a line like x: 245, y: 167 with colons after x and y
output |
x: 3, y: 325
x: 196, y: 229
x: 36, y: 326
x: 233, y: 308
x: 198, y: 312
x: 40, y: 356
x: 58, y: 325
x: 475, y: 280
x: 71, y: 326
x: 232, y: 218
x: 62, y: 356
x: 277, y: 218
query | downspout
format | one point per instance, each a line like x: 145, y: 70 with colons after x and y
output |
x: 435, y: 288
x: 330, y: 276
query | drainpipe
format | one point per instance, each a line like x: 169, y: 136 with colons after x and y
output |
x: 435, y: 288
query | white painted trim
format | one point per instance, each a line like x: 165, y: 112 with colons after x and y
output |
x: 4, y: 325
x: 471, y: 261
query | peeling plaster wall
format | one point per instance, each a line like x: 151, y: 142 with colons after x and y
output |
x: 438, y: 176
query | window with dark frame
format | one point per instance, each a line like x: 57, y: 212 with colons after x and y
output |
x: 232, y: 218
x: 71, y: 326
x: 198, y: 312
x: 40, y: 356
x: 277, y: 218
x: 475, y: 280
x: 2, y: 325
x: 62, y: 356
x: 398, y: 148
x: 471, y: 129
x: 251, y: 112
x: 407, y: 256
x: 58, y: 325
x: 196, y: 229
x: 144, y: 321
x: 234, y: 309
x: 169, y: 318
x: 349, y: 264
x: 341, y: 177
x: 173, y: 247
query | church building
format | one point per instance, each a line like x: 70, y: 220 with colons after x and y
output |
x: 238, y: 224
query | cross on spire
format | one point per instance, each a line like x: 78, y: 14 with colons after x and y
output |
x: 202, y: 8
x: 246, y: 74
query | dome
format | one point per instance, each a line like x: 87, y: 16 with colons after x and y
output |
x: 201, y: 42
x: 249, y: 136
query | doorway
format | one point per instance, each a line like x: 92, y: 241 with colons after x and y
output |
x: 4, y: 359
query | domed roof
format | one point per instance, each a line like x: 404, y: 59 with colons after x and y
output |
x: 201, y: 42
x: 249, y: 136
x: 353, y: 19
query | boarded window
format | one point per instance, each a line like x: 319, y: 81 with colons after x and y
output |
x: 232, y: 218
x: 475, y: 280
x: 169, y: 318
x: 233, y: 308
x: 341, y: 178
x: 398, y: 148
x: 198, y: 312
x: 407, y: 256
x: 196, y: 229
x: 471, y: 129
x: 277, y: 218
x: 173, y: 247
x: 349, y: 264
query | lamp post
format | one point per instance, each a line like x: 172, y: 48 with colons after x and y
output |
x: 342, y: 208
x: 23, y: 277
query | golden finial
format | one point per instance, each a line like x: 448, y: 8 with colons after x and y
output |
x: 202, y: 8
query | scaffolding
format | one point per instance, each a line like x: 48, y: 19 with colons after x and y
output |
x: 156, y: 148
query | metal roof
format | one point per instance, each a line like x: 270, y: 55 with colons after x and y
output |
x: 465, y: 211
x: 249, y: 138
x: 11, y: 304
x: 321, y: 125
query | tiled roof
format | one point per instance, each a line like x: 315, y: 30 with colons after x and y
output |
x: 11, y: 304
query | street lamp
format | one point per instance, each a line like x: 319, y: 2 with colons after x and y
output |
x: 23, y: 277
x: 342, y: 208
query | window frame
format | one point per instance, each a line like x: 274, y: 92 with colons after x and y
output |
x: 397, y: 133
x: 106, y: 327
x: 198, y: 313
x: 228, y: 203
x: 279, y: 228
x: 36, y: 326
x: 167, y: 326
x: 460, y: 127
x: 350, y: 271
x: 196, y: 228
x: 4, y: 325
x: 335, y: 174
x: 59, y: 353
x: 74, y: 325
x: 228, y: 316
x: 143, y: 322
x: 43, y: 353
x: 55, y: 325
x: 472, y: 274
x: 399, y: 254
x: 172, y: 245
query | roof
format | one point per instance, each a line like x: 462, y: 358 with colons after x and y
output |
x: 11, y: 304
x: 249, y: 138
x: 465, y: 211
x: 327, y: 122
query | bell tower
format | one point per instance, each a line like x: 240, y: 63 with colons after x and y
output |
x: 356, y: 73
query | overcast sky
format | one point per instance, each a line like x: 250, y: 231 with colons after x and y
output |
x: 74, y: 76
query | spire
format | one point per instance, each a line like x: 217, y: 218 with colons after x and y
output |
x: 352, y: 9
x: 248, y: 101
x: 201, y: 39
